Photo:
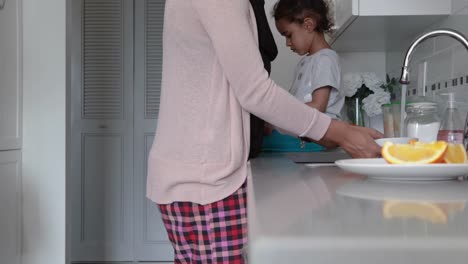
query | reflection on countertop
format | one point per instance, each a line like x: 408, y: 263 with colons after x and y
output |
x: 297, y: 213
x: 434, y: 202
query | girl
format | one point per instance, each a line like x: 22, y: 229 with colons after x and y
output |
x: 317, y: 76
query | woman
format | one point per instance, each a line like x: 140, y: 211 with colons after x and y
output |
x: 213, y: 78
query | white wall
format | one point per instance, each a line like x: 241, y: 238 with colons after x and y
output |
x: 44, y: 123
x: 363, y: 62
x: 446, y: 58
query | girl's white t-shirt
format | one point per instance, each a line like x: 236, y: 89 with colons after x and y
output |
x: 318, y: 70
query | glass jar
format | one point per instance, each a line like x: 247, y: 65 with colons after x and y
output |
x: 422, y: 121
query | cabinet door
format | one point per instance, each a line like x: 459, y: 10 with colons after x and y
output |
x: 404, y: 7
x: 10, y: 207
x: 102, y: 130
x: 344, y: 12
x: 10, y: 75
x: 151, y: 243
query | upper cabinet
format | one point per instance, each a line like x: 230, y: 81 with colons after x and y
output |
x: 378, y: 25
x: 10, y: 75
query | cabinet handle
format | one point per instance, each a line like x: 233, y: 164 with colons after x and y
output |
x: 2, y: 4
x: 102, y: 126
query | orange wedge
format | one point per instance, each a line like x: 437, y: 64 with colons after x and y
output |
x: 425, y: 211
x: 416, y: 153
x: 455, y: 154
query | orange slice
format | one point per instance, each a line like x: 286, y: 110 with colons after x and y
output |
x: 455, y: 154
x: 425, y: 211
x: 417, y: 152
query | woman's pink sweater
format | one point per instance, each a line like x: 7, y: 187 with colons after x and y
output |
x: 213, y: 77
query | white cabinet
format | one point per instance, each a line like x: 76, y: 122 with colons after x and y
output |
x: 343, y: 14
x: 10, y: 132
x: 10, y: 207
x: 377, y: 25
x: 10, y: 75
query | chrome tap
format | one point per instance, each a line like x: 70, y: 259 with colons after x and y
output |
x: 435, y: 33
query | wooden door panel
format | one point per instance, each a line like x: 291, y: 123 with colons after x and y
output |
x: 102, y: 131
x: 151, y: 242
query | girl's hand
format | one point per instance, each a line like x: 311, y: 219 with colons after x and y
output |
x: 267, y: 129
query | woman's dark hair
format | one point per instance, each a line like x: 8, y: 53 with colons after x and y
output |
x: 295, y: 11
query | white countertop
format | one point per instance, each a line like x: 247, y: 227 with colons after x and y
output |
x: 301, y: 214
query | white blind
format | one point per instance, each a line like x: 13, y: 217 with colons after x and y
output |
x: 102, y: 59
x: 154, y: 19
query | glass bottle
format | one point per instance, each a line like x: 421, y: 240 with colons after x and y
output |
x: 451, y: 129
x: 388, y: 120
x: 422, y: 121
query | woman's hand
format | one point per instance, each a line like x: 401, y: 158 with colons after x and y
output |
x: 357, y: 141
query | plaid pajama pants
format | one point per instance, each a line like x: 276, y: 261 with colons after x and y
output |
x: 212, y: 233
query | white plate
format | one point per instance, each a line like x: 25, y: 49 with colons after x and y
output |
x: 380, y: 169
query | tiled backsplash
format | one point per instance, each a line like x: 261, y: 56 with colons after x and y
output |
x: 445, y: 59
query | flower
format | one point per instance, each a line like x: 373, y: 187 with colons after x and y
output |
x: 372, y: 104
x: 351, y: 83
x: 371, y: 80
x: 367, y: 88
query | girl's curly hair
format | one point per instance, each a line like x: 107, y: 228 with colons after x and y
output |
x: 295, y: 11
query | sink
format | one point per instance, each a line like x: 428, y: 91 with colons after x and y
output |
x: 329, y: 156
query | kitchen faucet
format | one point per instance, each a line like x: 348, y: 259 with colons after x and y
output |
x: 435, y: 33
x: 404, y: 79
